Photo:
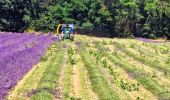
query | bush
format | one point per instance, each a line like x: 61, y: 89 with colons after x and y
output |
x: 152, y: 36
x: 88, y: 25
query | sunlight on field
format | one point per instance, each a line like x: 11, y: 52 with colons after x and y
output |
x: 89, y: 68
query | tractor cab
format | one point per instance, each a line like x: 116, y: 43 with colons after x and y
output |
x: 66, y: 31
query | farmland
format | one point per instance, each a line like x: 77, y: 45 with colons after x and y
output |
x: 40, y: 67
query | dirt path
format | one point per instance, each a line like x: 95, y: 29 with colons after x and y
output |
x: 59, y: 89
x: 76, y: 85
x: 75, y: 77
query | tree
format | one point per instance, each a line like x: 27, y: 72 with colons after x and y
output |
x: 122, y: 18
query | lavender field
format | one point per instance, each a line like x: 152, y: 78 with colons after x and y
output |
x: 41, y: 67
x: 19, y: 52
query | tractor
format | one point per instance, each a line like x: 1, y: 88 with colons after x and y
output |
x: 66, y: 31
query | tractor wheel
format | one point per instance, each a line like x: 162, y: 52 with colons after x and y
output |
x: 62, y: 38
x: 72, y: 38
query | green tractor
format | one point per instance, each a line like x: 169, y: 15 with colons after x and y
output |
x: 66, y: 30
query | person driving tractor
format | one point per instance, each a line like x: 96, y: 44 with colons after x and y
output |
x: 67, y: 32
x: 66, y: 29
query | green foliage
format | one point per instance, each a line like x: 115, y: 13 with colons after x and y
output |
x: 143, y: 59
x: 26, y: 19
x: 129, y: 86
x: 17, y: 15
x: 122, y: 82
x: 47, y: 84
x: 44, y: 23
x: 71, y: 59
x: 152, y: 36
x: 88, y: 25
x: 122, y: 18
x: 99, y: 83
x: 146, y: 80
x: 151, y: 6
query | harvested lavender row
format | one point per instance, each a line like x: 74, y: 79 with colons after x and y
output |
x: 13, y: 66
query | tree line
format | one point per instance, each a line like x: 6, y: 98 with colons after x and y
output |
x: 112, y: 18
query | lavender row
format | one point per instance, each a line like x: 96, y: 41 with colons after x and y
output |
x: 14, y: 66
x: 18, y: 46
x: 13, y: 36
x: 5, y: 34
x: 12, y: 41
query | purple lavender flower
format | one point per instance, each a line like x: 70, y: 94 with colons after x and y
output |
x: 18, y: 53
